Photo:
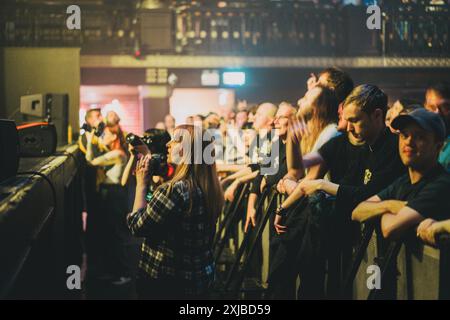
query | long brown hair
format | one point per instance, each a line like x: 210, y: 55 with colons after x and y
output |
x: 324, y: 113
x: 119, y: 142
x: 202, y: 175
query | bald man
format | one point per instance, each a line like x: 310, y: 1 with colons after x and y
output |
x: 260, y: 147
x: 262, y: 181
x: 264, y: 116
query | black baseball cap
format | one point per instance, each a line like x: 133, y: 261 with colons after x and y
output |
x: 429, y: 121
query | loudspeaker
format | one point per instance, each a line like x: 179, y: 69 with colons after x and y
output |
x: 9, y: 149
x: 32, y: 105
x: 37, y: 139
x: 52, y: 107
x: 57, y: 106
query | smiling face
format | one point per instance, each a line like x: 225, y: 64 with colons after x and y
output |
x: 362, y: 126
x: 418, y: 147
x: 281, y: 121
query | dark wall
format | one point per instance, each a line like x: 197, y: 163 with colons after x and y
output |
x: 40, y: 70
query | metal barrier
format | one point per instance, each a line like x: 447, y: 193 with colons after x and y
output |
x: 409, y: 269
x: 230, y: 217
x: 244, y: 245
x: 423, y: 272
x: 387, y: 265
x: 252, y: 238
x: 358, y: 256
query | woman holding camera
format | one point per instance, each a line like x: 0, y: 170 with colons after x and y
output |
x: 178, y: 223
x: 108, y: 227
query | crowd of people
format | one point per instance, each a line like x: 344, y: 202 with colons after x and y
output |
x: 340, y: 157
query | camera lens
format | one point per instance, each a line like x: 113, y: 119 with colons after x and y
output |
x: 133, y: 139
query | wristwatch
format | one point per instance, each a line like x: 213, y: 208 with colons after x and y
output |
x: 280, y: 211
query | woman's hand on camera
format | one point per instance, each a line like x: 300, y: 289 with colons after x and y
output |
x: 142, y: 149
x: 142, y: 172
x: 131, y: 150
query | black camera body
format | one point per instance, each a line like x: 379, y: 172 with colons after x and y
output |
x: 97, y: 131
x: 156, y: 140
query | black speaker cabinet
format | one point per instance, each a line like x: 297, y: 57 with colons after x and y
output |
x: 37, y: 139
x: 9, y: 149
x: 53, y: 107
x: 57, y: 107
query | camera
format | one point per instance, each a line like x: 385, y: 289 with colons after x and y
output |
x: 97, y: 131
x: 156, y: 140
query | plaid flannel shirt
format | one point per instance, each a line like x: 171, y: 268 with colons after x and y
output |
x: 177, y: 241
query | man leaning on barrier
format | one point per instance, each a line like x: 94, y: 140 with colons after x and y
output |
x: 430, y: 230
x: 423, y: 192
x: 322, y: 227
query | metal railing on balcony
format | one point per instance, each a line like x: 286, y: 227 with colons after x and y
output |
x: 239, y: 28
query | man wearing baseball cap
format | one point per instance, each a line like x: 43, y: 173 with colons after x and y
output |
x: 423, y: 192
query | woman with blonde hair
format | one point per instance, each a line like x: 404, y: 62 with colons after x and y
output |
x: 178, y: 223
x: 314, y: 125
x: 320, y: 112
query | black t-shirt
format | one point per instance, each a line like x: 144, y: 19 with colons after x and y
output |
x: 429, y: 196
x: 375, y: 166
x: 278, y: 167
x: 343, y: 160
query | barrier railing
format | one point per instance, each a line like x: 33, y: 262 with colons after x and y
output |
x: 252, y: 238
x: 409, y: 270
x: 230, y: 217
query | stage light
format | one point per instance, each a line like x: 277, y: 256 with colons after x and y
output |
x: 233, y: 78
x: 210, y: 78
